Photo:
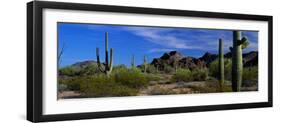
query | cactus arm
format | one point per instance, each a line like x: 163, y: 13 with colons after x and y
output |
x: 242, y: 41
x: 245, y: 45
x: 98, y: 55
x: 111, y: 60
x: 230, y: 48
x: 98, y: 61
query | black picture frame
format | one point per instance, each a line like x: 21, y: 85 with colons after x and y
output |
x: 35, y: 69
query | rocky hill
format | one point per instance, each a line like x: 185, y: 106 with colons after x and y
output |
x: 83, y: 64
x: 175, y: 58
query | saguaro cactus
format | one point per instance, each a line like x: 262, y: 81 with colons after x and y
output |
x: 107, y: 66
x: 221, y: 63
x: 144, y: 64
x: 237, y: 59
x: 133, y: 61
x: 175, y: 65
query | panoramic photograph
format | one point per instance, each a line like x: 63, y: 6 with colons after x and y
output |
x: 99, y: 60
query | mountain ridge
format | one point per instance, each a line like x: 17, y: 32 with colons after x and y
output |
x: 175, y: 58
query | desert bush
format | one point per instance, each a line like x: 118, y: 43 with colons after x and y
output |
x: 103, y: 86
x: 122, y: 66
x: 182, y: 75
x: 200, y: 74
x: 118, y: 68
x: 168, y: 69
x: 151, y: 69
x: 73, y: 83
x: 90, y: 70
x: 250, y: 73
x: 122, y: 82
x: 186, y: 75
x: 153, y: 77
x: 214, y: 70
x: 68, y: 71
x: 132, y: 77
x: 141, y: 67
x: 62, y: 87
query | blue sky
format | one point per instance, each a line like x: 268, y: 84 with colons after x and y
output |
x: 80, y: 42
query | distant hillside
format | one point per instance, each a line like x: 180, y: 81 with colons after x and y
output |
x: 176, y: 58
x: 83, y: 64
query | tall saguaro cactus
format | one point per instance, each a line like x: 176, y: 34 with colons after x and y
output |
x: 221, y: 63
x: 144, y: 64
x: 107, y: 68
x: 237, y: 59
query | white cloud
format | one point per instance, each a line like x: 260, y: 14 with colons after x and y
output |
x: 156, y: 36
x: 160, y: 50
x: 201, y: 40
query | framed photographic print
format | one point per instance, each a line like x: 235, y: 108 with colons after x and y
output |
x: 96, y: 61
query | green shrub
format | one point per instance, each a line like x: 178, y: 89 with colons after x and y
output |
x: 90, y: 70
x: 153, y: 77
x: 62, y: 87
x: 200, y: 74
x: 68, y: 71
x: 250, y: 73
x: 122, y: 66
x: 72, y: 84
x: 141, y: 67
x: 151, y: 69
x: 187, y: 75
x: 132, y: 77
x: 104, y: 86
x: 214, y: 70
x: 182, y: 75
x: 122, y: 82
x: 168, y: 69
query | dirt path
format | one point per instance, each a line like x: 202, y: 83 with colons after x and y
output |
x: 68, y: 94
